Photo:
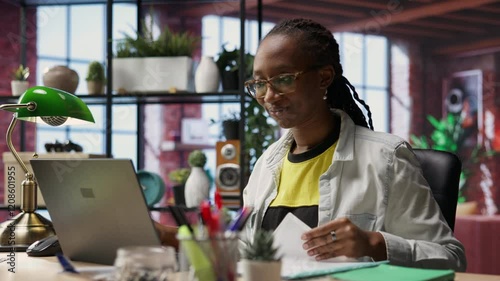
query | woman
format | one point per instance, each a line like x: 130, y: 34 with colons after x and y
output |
x: 361, y: 191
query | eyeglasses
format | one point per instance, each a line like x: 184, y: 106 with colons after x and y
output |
x: 283, y: 84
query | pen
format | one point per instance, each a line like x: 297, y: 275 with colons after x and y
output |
x: 65, y: 263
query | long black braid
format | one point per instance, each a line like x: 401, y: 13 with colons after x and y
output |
x: 320, y: 46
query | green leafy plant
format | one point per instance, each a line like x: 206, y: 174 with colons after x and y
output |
x: 95, y: 72
x: 230, y: 61
x: 448, y: 135
x: 168, y: 44
x: 197, y: 159
x: 21, y: 73
x: 261, y: 248
x: 179, y: 176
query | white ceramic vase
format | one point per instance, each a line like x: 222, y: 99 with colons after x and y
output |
x: 207, y: 76
x: 197, y: 187
x: 18, y: 87
x: 261, y: 270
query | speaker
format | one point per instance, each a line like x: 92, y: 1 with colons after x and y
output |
x: 227, y: 172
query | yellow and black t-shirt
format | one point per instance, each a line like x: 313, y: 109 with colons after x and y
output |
x: 298, y: 190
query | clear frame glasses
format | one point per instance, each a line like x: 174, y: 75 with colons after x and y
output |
x: 283, y: 83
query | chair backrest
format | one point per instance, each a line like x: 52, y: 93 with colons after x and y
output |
x: 442, y: 171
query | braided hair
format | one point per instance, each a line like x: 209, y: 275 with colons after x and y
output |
x: 319, y: 45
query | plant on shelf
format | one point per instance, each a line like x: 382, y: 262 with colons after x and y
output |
x: 197, y: 185
x: 95, y: 78
x: 228, y: 64
x: 19, y: 83
x: 179, y: 178
x: 145, y: 63
x: 260, y: 259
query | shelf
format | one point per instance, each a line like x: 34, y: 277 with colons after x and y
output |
x: 177, y: 146
x: 164, y: 98
x: 35, y: 3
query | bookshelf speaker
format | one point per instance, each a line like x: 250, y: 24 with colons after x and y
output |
x: 227, y: 174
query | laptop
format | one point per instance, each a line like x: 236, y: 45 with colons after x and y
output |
x: 96, y: 206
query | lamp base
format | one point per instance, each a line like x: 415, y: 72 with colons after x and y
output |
x: 17, y: 233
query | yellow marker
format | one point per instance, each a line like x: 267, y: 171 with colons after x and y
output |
x: 197, y: 258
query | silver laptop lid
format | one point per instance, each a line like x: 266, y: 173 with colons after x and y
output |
x: 96, y: 206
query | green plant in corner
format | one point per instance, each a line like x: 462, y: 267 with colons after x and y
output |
x: 95, y: 72
x: 21, y: 73
x: 261, y: 248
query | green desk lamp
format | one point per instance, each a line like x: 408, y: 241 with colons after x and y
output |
x: 54, y: 107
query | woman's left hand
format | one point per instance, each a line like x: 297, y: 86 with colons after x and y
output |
x: 341, y: 237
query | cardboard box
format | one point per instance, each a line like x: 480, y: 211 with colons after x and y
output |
x: 14, y: 174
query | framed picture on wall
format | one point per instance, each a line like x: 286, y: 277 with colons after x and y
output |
x: 463, y: 96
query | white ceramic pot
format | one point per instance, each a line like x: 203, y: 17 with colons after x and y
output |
x: 153, y: 74
x: 197, y: 187
x: 18, y: 87
x: 207, y: 77
x: 261, y: 270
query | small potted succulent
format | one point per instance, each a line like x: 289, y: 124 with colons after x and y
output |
x: 95, y: 78
x: 197, y: 185
x: 19, y: 83
x: 259, y: 258
x: 179, y: 178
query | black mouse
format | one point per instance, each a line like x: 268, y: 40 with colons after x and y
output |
x: 48, y: 246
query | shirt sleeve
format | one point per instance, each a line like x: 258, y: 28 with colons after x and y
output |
x: 415, y: 231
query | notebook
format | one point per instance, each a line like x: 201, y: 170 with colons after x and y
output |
x: 387, y: 272
x: 96, y: 206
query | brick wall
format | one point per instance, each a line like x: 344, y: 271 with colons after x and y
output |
x: 10, y: 59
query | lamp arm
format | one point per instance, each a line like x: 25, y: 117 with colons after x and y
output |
x: 12, y: 125
x: 10, y: 107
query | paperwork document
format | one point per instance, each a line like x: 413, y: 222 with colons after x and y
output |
x: 295, y: 261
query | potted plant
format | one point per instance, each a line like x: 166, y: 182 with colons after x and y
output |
x: 19, y: 83
x: 95, y: 78
x: 179, y: 178
x: 162, y: 64
x: 197, y: 185
x: 228, y: 64
x: 259, y: 258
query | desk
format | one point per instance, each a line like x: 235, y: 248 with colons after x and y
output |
x: 48, y: 269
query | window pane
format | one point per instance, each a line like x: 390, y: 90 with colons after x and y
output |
x: 99, y: 117
x: 87, y: 36
x: 376, y: 61
x: 48, y: 136
x: 124, y: 21
x: 125, y: 146
x: 210, y: 36
x: 377, y: 100
x: 352, y: 57
x: 51, y: 33
x: 91, y: 142
x: 231, y: 33
x: 81, y: 69
x: 125, y: 118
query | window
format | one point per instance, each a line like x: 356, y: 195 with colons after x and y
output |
x: 67, y: 37
x: 365, y: 63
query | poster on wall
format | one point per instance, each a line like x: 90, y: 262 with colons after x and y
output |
x: 463, y: 95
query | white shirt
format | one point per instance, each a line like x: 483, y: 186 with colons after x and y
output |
x: 374, y: 180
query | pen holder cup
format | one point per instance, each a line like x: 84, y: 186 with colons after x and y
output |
x: 145, y: 263
x: 212, y: 259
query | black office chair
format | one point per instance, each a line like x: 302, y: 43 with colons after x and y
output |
x: 442, y: 170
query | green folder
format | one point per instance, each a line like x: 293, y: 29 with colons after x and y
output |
x: 387, y: 272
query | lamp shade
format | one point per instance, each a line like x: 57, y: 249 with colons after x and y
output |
x: 53, y: 106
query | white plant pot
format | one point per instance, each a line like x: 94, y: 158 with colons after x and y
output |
x: 207, y: 77
x: 261, y: 270
x: 154, y: 74
x: 197, y: 187
x: 18, y: 87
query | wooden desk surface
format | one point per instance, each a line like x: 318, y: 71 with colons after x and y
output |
x: 48, y: 269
